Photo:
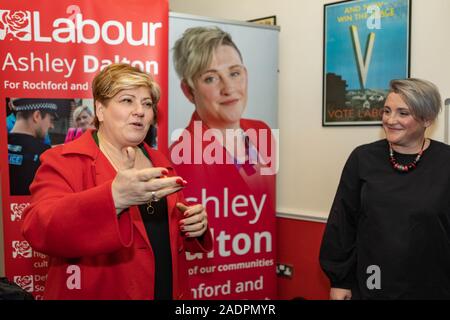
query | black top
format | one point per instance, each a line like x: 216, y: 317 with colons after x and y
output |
x: 23, y: 158
x: 399, y: 222
x: 157, y: 228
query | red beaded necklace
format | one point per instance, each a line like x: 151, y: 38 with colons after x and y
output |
x: 404, y: 167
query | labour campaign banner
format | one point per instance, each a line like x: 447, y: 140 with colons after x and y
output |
x: 49, y: 53
x: 223, y: 134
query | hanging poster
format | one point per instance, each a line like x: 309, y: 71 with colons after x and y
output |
x: 366, y: 44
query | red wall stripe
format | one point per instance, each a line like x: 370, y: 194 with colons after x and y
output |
x: 298, y: 245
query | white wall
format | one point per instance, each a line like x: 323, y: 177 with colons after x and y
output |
x: 312, y: 156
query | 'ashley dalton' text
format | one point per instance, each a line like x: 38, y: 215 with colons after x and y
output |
x: 90, y: 64
x: 245, y: 207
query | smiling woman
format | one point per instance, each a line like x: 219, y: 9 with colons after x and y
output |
x: 215, y: 80
x: 220, y: 92
x: 108, y: 209
x: 391, y: 209
x: 407, y: 114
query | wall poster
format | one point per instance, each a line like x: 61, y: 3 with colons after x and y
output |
x: 366, y: 44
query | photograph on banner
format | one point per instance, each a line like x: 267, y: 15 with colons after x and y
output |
x: 33, y: 126
x: 366, y: 44
x: 223, y: 130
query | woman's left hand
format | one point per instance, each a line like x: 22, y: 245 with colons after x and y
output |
x: 195, y: 221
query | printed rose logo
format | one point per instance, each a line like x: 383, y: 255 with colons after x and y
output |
x: 25, y: 282
x: 21, y: 248
x: 15, y: 20
x: 15, y: 24
x: 17, y: 210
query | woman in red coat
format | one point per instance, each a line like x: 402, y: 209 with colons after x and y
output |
x: 107, y: 209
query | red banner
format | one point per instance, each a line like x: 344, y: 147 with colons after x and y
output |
x: 230, y: 167
x: 52, y: 50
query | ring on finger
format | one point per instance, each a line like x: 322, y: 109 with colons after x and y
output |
x: 154, y: 197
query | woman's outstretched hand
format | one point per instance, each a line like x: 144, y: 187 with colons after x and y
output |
x: 135, y: 187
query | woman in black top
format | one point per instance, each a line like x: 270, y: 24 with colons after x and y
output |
x: 388, y: 233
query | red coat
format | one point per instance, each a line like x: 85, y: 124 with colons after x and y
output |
x: 93, y: 253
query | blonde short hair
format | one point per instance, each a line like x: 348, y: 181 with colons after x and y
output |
x: 421, y: 96
x: 193, y: 52
x: 122, y: 76
x: 79, y: 110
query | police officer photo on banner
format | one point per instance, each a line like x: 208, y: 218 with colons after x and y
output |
x: 223, y: 105
x: 35, y: 125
